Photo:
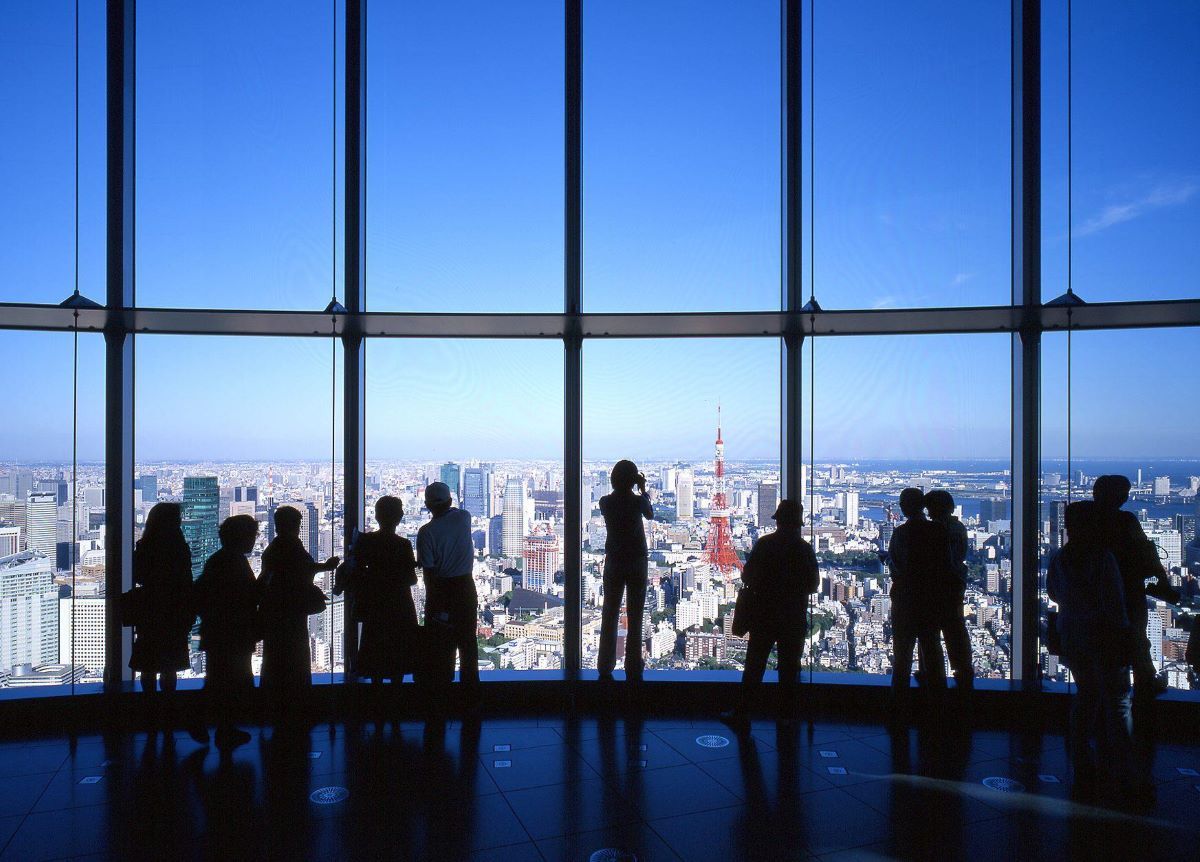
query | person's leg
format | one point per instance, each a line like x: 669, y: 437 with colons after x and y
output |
x: 958, y: 645
x: 933, y: 660
x: 1145, y: 675
x: 1083, y: 721
x: 465, y: 617
x: 758, y: 650
x: 635, y: 605
x: 789, y: 668
x: 614, y: 587
x: 904, y: 636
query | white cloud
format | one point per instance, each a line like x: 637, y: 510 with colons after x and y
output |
x: 961, y: 278
x: 1160, y: 197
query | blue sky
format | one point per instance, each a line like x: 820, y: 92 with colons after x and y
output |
x: 681, y: 211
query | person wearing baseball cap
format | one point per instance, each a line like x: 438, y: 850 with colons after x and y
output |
x: 782, y: 573
x: 446, y: 557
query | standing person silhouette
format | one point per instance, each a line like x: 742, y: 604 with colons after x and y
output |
x: 1084, y: 580
x: 1137, y: 561
x: 782, y: 572
x: 919, y: 556
x: 162, y: 566
x: 227, y: 600
x: 953, y: 624
x: 625, y: 568
x: 447, y: 558
x: 286, y: 591
x: 381, y: 581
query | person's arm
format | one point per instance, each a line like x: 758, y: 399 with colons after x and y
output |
x: 425, y: 554
x: 1054, y: 578
x: 408, y: 563
x: 814, y: 569
x: 644, y: 504
x: 750, y: 567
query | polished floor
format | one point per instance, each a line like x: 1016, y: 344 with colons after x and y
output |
x: 557, y: 789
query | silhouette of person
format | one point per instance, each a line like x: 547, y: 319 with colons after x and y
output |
x: 227, y: 600
x: 162, y: 566
x: 446, y: 557
x: 1137, y: 561
x: 285, y: 595
x: 919, y: 556
x: 381, y: 581
x: 782, y: 572
x: 1083, y: 578
x: 953, y: 624
x: 625, y: 568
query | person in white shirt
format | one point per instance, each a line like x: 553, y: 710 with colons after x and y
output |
x: 446, y: 557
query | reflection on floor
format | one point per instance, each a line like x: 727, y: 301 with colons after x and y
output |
x: 551, y: 789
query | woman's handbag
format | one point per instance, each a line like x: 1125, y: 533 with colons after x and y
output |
x: 133, y: 607
x: 744, y: 611
x: 314, y: 600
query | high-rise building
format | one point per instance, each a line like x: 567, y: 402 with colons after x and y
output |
x: 148, y: 484
x: 541, y: 556
x: 768, y: 502
x: 851, y: 508
x: 41, y: 534
x: 18, y: 483
x: 451, y: 474
x: 1058, y: 524
x: 245, y: 494
x: 495, y: 536
x: 81, y: 631
x: 477, y: 491
x: 514, y: 517
x: 993, y: 509
x: 10, y: 541
x: 200, y: 510
x: 685, y: 495
x: 1162, y: 486
x: 28, y: 610
x: 60, y: 488
x: 687, y: 614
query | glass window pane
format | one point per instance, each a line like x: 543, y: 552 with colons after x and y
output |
x: 242, y: 426
x: 37, y: 159
x: 912, y: 167
x: 931, y: 412
x: 1136, y: 166
x: 1127, y: 418
x: 681, y: 155
x: 235, y: 154
x: 695, y: 551
x: 485, y: 417
x: 52, y: 517
x: 465, y: 156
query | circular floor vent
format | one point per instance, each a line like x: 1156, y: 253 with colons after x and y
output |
x: 329, y: 795
x: 612, y: 854
x: 712, y: 740
x: 1004, y: 785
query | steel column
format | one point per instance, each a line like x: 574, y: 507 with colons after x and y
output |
x: 791, y: 438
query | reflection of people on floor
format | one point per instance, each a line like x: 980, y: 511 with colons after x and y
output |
x: 625, y: 568
x: 227, y: 600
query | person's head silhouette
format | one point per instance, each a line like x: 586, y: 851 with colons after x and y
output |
x: 437, y: 498
x: 238, y: 533
x: 1111, y: 492
x: 789, y: 514
x: 287, y: 521
x: 389, y: 512
x: 624, y: 476
x: 163, y: 519
x: 912, y: 503
x: 1080, y: 521
x: 940, y: 504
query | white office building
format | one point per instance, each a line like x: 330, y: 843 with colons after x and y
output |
x: 28, y: 610
x: 81, y: 631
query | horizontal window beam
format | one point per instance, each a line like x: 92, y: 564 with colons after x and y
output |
x: 891, y: 321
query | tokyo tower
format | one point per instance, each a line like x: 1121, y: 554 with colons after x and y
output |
x: 718, y: 549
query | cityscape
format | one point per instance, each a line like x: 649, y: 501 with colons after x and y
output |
x: 708, y: 513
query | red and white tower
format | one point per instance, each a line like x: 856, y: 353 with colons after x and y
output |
x: 718, y: 550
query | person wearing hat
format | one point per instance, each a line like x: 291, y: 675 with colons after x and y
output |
x: 446, y: 557
x: 782, y: 572
x: 625, y: 568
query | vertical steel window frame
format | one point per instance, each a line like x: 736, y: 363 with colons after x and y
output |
x: 573, y: 338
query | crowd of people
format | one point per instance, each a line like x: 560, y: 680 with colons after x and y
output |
x: 1098, y: 579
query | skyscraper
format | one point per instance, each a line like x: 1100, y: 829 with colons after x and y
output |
x: 477, y: 492
x: 148, y: 482
x: 41, y: 512
x: 451, y: 474
x: 851, y: 508
x: 768, y: 502
x: 685, y: 495
x: 514, y: 517
x: 540, y: 561
x: 495, y: 536
x: 81, y: 631
x: 200, y: 510
x: 28, y: 610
